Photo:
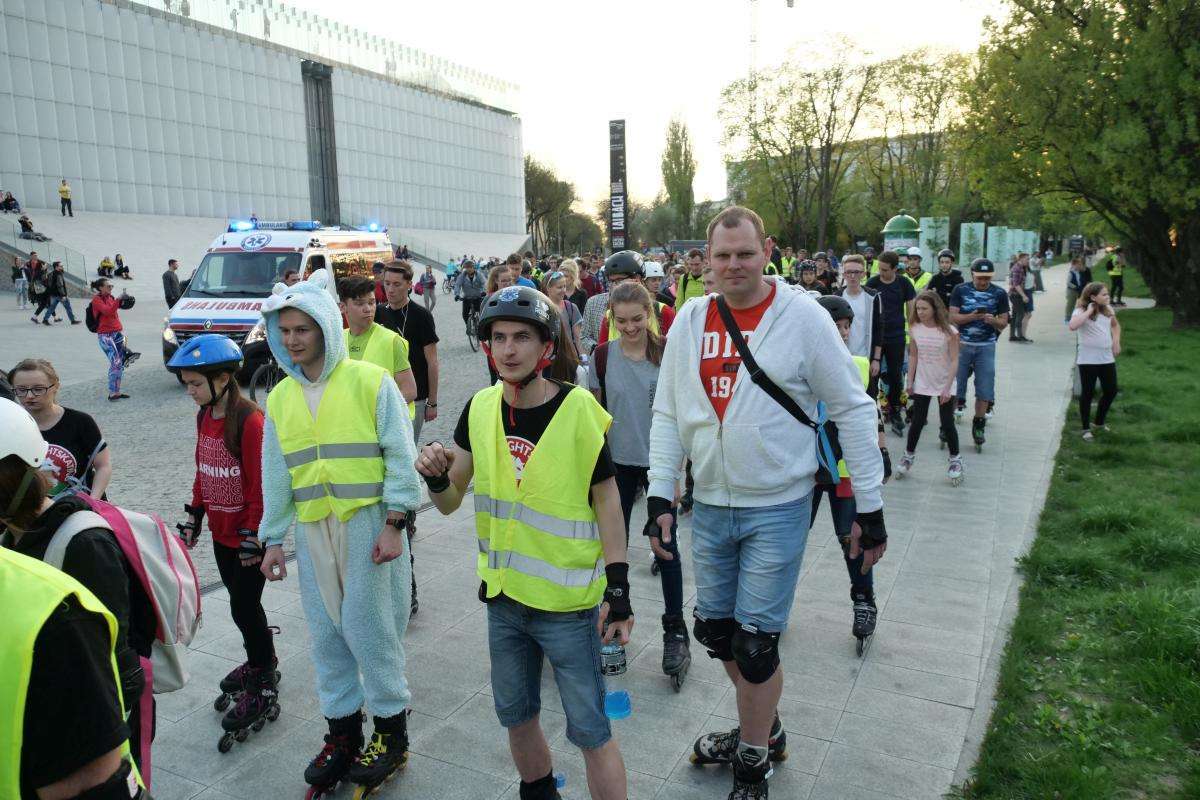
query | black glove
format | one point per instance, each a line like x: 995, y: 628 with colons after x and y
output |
x: 250, y: 549
x: 874, y: 533
x: 656, y: 507
x: 616, y: 594
x: 887, y: 464
x: 189, y: 531
x: 653, y: 530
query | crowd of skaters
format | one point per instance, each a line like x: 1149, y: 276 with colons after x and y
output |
x: 611, y: 379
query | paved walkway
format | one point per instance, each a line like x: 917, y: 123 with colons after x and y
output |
x: 897, y: 723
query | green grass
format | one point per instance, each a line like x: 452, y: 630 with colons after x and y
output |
x: 1099, y: 689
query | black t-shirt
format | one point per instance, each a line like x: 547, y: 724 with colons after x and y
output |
x: 892, y: 297
x: 72, y: 713
x: 416, y: 325
x: 72, y: 441
x: 523, y: 435
x: 944, y: 283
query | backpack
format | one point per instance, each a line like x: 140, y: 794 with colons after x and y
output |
x: 89, y: 319
x: 600, y: 358
x: 162, y: 565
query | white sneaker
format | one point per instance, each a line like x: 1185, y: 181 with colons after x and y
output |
x: 1087, y: 436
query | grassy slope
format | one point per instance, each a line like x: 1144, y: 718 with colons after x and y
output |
x: 1099, y: 692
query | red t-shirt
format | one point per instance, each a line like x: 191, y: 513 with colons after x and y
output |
x: 229, y: 488
x: 719, y: 359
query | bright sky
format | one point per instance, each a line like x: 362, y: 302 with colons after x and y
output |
x: 580, y: 64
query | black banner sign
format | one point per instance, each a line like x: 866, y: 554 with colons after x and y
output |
x: 618, y: 229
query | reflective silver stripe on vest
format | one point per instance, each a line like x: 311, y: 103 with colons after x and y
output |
x: 565, y: 528
x: 526, y: 565
x: 310, y: 454
x: 483, y: 545
x: 342, y: 491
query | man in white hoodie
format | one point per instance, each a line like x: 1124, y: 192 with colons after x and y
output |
x: 754, y: 462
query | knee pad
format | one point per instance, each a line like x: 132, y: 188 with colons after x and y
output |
x: 756, y: 654
x: 716, y: 635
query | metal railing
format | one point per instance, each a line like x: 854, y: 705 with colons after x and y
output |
x: 50, y: 251
x: 272, y: 21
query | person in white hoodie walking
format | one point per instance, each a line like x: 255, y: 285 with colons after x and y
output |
x: 754, y: 458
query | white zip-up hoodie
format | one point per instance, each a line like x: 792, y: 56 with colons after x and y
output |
x: 760, y: 455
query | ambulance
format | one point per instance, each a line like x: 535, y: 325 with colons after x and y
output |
x: 245, y: 262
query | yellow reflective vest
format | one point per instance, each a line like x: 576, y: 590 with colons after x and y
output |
x: 864, y: 371
x: 538, y: 540
x: 335, y: 460
x: 380, y: 351
x: 30, y: 591
x: 614, y: 334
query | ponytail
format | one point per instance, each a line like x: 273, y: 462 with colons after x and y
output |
x: 238, y: 409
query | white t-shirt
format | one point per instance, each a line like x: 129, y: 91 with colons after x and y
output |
x: 860, y: 326
x: 1095, y: 339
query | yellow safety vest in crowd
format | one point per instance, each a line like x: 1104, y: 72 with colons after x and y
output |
x: 614, y: 334
x: 379, y: 350
x: 787, y: 264
x: 335, y: 461
x: 872, y: 267
x: 921, y: 281
x: 30, y: 591
x: 538, y: 540
x: 864, y: 371
x: 1115, y: 268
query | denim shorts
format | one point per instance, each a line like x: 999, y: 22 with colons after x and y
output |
x: 747, y: 561
x: 982, y: 359
x: 518, y: 636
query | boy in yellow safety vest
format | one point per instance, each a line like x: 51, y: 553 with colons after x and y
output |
x: 552, y: 541
x: 337, y: 455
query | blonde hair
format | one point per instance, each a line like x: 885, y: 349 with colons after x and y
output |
x: 732, y: 217
x: 941, y: 319
x: 855, y: 258
x: 35, y: 365
x: 571, y: 267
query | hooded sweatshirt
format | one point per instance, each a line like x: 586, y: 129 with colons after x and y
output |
x: 400, y: 482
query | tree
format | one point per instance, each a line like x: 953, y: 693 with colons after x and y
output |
x: 546, y: 197
x: 679, y: 171
x: 1098, y: 101
x: 789, y: 131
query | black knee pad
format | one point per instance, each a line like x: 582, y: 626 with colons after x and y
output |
x: 716, y: 635
x: 756, y: 654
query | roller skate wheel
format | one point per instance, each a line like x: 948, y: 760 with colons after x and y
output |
x: 779, y: 758
x: 258, y: 724
x: 273, y: 713
x: 696, y: 760
x: 677, y: 682
x: 225, y: 744
x: 242, y: 734
x: 859, y: 646
x: 222, y: 702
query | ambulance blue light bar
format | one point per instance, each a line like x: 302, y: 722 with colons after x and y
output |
x: 243, y: 225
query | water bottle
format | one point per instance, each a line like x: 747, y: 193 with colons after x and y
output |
x: 612, y: 659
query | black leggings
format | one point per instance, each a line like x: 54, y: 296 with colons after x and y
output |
x: 245, y: 585
x: 630, y: 481
x: 893, y: 366
x: 1088, y: 373
x: 1117, y: 289
x: 920, y: 415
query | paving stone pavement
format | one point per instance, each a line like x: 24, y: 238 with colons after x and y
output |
x: 901, y: 722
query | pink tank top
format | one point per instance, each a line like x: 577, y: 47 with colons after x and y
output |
x: 933, y: 361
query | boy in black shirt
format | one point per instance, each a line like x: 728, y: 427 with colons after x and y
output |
x: 896, y: 295
x: 946, y: 278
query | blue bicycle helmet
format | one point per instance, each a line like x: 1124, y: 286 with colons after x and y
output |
x: 209, y: 354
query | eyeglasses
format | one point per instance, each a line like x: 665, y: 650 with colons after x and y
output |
x: 32, y: 391
x: 852, y: 272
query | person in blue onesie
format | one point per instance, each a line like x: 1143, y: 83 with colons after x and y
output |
x: 337, y: 459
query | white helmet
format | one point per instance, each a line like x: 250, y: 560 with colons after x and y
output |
x: 915, y: 251
x: 21, y: 435
x: 654, y: 270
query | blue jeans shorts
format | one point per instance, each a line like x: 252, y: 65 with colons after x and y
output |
x: 747, y: 561
x: 982, y: 359
x: 518, y: 636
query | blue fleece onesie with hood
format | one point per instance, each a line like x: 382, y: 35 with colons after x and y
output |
x: 365, y: 635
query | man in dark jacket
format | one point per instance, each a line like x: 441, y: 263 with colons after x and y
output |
x: 56, y: 288
x: 171, y: 288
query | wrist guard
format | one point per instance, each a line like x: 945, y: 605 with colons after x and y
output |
x: 249, y: 548
x: 887, y: 463
x: 616, y: 594
x: 438, y: 483
x: 656, y: 507
x: 874, y: 533
x: 652, y: 529
x: 122, y: 785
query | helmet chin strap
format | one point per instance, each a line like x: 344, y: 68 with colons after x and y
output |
x: 545, y: 361
x: 214, y: 398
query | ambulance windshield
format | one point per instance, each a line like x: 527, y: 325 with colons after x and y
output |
x: 240, y: 274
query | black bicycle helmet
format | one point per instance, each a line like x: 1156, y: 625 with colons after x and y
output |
x: 624, y: 262
x: 984, y: 266
x: 838, y: 307
x: 946, y: 253
x: 519, y: 304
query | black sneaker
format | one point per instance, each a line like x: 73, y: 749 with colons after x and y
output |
x: 131, y: 357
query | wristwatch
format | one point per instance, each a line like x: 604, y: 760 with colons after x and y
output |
x: 430, y: 405
x: 395, y: 522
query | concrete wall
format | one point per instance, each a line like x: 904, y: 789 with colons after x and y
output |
x: 149, y: 113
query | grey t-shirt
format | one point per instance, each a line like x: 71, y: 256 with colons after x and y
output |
x: 629, y: 392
